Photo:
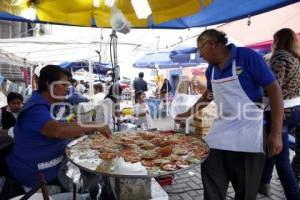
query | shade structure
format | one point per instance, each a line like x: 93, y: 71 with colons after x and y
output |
x: 185, y: 54
x: 161, y: 60
x: 98, y: 68
x: 264, y: 47
x: 165, y: 14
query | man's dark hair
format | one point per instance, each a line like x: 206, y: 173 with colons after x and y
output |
x: 215, y: 35
x: 73, y: 81
x: 114, y: 92
x: 141, y: 74
x: 50, y: 74
x: 13, y: 95
x: 138, y: 94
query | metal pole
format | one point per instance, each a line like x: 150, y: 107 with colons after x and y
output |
x: 91, y: 89
x: 116, y: 78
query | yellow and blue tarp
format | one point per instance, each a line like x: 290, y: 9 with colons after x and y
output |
x: 174, y: 14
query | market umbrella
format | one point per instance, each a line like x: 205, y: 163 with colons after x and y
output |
x: 165, y: 14
x: 185, y: 54
x: 98, y: 68
x: 160, y: 59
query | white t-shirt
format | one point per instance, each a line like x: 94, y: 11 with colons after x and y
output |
x: 97, y: 98
x: 80, y: 88
x: 139, y: 109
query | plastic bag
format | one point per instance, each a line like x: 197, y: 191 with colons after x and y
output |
x: 181, y: 103
x: 119, y: 22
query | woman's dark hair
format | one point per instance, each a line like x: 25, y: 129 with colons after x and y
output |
x: 50, y: 74
x: 215, y: 35
x: 166, y: 87
x: 13, y: 95
x: 137, y: 95
x: 114, y: 92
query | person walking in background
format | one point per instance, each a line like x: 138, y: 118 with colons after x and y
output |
x: 285, y: 64
x: 140, y: 84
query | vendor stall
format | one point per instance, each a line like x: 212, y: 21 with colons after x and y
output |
x: 131, y: 159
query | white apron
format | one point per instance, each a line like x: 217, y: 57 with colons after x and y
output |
x: 239, y: 125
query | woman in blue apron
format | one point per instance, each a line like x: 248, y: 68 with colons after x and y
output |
x: 40, y: 140
x: 236, y: 77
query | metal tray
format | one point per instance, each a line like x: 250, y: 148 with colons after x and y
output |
x: 80, y: 154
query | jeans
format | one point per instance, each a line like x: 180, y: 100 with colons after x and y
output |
x: 296, y: 159
x: 282, y: 161
x: 153, y: 105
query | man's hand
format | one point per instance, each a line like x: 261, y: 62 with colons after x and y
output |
x: 182, y: 117
x: 274, y: 144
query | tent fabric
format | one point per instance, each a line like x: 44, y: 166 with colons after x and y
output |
x: 98, y: 68
x: 160, y: 59
x: 265, y: 46
x: 82, y: 13
x: 182, y: 53
x: 12, y: 59
x: 174, y: 14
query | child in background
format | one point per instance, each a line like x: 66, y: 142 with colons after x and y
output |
x: 141, y: 111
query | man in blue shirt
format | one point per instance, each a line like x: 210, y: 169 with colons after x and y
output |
x: 140, y: 84
x: 236, y: 78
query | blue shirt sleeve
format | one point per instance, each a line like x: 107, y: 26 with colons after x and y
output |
x: 37, y: 117
x: 257, y: 68
x: 208, y: 73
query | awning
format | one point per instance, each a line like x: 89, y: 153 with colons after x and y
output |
x: 172, y: 14
x: 160, y: 59
x: 98, y: 68
x: 265, y: 46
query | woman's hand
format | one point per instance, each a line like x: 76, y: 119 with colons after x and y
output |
x: 105, y: 130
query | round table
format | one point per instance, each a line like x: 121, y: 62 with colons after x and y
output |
x: 132, y: 180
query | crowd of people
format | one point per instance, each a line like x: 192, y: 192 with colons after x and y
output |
x: 258, y: 105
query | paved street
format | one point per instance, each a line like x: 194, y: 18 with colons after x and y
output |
x: 188, y: 186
